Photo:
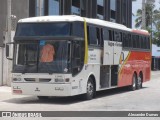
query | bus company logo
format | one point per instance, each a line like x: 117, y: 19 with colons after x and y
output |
x: 6, y: 114
x: 37, y: 89
x: 110, y: 44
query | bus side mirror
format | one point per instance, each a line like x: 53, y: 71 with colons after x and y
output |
x: 9, y: 51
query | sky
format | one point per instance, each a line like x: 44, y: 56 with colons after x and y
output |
x: 138, y: 5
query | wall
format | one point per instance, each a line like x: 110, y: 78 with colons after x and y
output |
x: 20, y: 8
x: 3, y: 16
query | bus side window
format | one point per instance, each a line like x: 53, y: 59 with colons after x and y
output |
x: 146, y: 46
x: 110, y: 35
x: 98, y: 31
x: 105, y: 34
x: 134, y: 41
x: 125, y: 40
x: 148, y: 42
x: 117, y: 36
x: 102, y: 40
x: 92, y: 38
x: 138, y: 41
x: 129, y: 40
x: 144, y: 42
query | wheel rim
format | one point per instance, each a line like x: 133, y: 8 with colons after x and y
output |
x: 90, y: 88
x: 134, y: 82
x: 139, y: 81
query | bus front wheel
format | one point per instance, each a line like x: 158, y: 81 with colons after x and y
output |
x: 90, y: 92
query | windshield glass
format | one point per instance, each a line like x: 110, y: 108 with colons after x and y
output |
x: 43, y: 29
x: 42, y: 57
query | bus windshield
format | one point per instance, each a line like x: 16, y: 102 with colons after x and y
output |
x: 42, y: 57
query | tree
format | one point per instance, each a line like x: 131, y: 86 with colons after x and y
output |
x: 152, y: 21
x: 148, y: 14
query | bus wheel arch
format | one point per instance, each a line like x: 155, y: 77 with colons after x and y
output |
x: 90, y: 88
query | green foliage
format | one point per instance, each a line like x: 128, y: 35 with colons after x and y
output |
x: 152, y: 22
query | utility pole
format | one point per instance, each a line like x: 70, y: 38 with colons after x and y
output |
x: 143, y: 14
x: 9, y: 20
x: 8, y: 63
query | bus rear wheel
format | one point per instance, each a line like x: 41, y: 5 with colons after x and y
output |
x: 90, y: 90
x: 139, y: 82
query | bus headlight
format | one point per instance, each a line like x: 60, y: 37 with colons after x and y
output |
x: 60, y: 80
x: 16, y: 79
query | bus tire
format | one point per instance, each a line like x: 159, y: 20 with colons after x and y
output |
x: 134, y: 83
x: 90, y: 93
x: 42, y: 97
x: 139, y: 82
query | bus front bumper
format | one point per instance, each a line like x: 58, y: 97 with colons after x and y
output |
x: 38, y: 89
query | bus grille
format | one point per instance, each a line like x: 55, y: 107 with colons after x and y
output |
x: 37, y: 80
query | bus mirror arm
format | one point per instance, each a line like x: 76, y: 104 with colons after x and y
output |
x: 9, y: 50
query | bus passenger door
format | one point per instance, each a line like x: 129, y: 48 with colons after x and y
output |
x: 108, y: 53
x: 117, y: 47
x: 117, y: 52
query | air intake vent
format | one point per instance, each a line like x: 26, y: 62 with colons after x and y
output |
x: 30, y: 79
x: 44, y: 80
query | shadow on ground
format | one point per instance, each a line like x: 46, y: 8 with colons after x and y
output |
x: 66, y: 100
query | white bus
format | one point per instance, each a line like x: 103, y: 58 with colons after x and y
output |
x: 71, y: 55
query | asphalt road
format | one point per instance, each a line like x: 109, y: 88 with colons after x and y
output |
x: 145, y: 99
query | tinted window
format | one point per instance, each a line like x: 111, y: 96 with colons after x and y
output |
x: 98, y: 31
x: 148, y: 43
x: 117, y: 36
x: 134, y: 41
x: 105, y: 34
x: 111, y: 35
x: 92, y: 35
x: 125, y: 40
x: 129, y: 40
x: 43, y: 29
x: 78, y: 29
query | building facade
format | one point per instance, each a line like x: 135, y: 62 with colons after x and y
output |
x: 119, y: 11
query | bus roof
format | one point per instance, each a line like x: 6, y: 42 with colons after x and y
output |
x: 71, y: 18
x: 143, y: 32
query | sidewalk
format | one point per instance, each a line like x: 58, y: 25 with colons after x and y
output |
x: 155, y: 73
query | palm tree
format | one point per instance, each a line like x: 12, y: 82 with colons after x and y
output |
x: 149, y: 14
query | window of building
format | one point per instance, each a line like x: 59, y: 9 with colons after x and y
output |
x: 53, y: 7
x: 76, y: 7
x: 39, y: 7
x: 113, y: 10
x: 100, y: 9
